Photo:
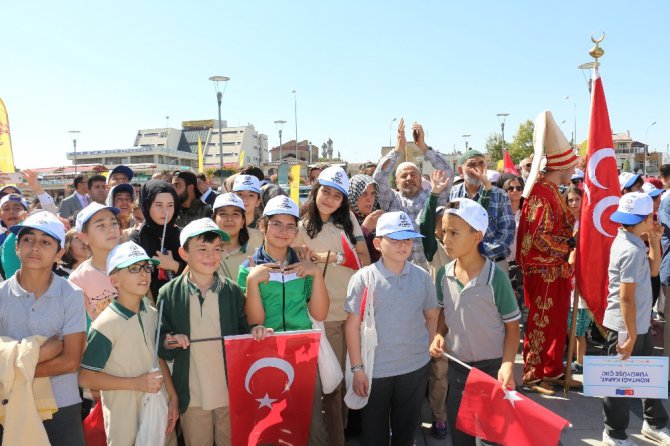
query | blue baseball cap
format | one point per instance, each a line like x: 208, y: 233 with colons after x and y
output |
x: 627, y: 179
x: 633, y: 208
x: 397, y: 226
x: 335, y: 177
x: 127, y: 171
x: 647, y: 188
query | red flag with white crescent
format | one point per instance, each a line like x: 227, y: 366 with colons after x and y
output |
x: 508, y: 164
x: 601, y: 198
x: 351, y: 259
x: 271, y: 386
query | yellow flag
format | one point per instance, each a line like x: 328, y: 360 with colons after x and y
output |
x: 201, y: 161
x: 295, y: 183
x: 583, y: 147
x: 240, y: 161
x: 6, y: 155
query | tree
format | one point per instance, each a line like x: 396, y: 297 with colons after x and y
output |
x: 522, y: 144
x: 494, y: 147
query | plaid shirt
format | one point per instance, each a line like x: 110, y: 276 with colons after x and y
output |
x: 392, y: 200
x: 500, y: 233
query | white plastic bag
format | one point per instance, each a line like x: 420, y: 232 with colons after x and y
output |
x: 368, y: 345
x: 153, y: 419
x: 330, y: 371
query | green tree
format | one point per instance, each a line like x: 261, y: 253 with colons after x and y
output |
x: 494, y: 144
x: 522, y: 144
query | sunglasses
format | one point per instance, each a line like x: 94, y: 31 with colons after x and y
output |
x: 527, y: 165
x: 135, y: 269
x: 515, y: 188
x: 576, y: 180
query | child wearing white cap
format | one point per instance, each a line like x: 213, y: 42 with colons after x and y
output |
x: 201, y: 304
x: 229, y: 216
x: 628, y: 313
x: 326, y: 216
x: 98, y: 228
x: 283, y: 288
x: 405, y: 314
x: 36, y: 302
x: 121, y: 345
x: 248, y: 188
x: 479, y: 316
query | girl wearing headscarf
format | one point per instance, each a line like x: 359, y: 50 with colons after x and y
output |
x: 159, y: 202
x: 364, y: 205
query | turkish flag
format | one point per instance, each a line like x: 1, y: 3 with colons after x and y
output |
x: 508, y: 164
x: 505, y: 416
x: 601, y: 198
x: 351, y: 259
x: 271, y: 385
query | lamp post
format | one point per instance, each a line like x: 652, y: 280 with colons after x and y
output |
x: 280, y: 125
x: 574, y: 130
x: 75, y: 135
x: 295, y: 113
x: 646, y: 147
x: 465, y: 137
x: 391, y: 126
x: 219, y: 98
x: 587, y: 67
x: 501, y: 117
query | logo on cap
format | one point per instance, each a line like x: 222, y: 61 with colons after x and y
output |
x: 404, y: 222
x: 627, y: 206
x: 248, y: 182
x: 337, y: 178
x: 136, y: 251
x: 285, y: 204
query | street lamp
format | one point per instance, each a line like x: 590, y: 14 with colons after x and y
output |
x: 587, y: 67
x: 295, y: 112
x: 574, y: 134
x: 501, y: 117
x: 75, y: 135
x: 390, y: 126
x: 280, y: 126
x: 219, y: 97
x: 646, y: 147
x: 465, y: 137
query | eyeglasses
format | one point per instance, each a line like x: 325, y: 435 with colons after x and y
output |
x: 515, y: 188
x: 135, y: 269
x: 527, y: 165
x: 576, y: 180
x: 280, y: 227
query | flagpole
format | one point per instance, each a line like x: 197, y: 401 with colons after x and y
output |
x: 571, y: 343
x: 457, y: 361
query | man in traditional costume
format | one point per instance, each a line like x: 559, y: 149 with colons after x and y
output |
x: 546, y: 237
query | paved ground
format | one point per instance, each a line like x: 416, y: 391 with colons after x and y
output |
x: 584, y: 413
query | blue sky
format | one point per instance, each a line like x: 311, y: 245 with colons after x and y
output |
x: 109, y: 69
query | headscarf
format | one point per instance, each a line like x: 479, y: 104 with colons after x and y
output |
x: 150, y: 234
x: 357, y: 185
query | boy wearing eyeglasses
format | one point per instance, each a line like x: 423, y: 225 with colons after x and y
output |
x: 121, y: 345
x: 479, y: 316
x: 200, y: 304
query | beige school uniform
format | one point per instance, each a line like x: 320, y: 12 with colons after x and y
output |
x: 231, y: 261
x: 207, y: 420
x: 121, y: 343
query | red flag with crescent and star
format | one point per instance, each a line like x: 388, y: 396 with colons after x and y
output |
x: 271, y: 385
x: 601, y: 198
x: 504, y: 416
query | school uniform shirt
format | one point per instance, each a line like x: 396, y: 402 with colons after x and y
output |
x: 122, y: 343
x: 58, y: 312
x: 476, y: 312
x: 207, y: 378
x: 337, y: 276
x: 399, y: 302
x: 628, y: 264
x: 98, y: 290
x: 231, y: 261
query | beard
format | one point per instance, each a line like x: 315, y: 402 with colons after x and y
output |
x: 472, y: 181
x: 183, y: 197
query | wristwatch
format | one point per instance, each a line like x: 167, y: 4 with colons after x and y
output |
x: 339, y: 258
x: 356, y: 368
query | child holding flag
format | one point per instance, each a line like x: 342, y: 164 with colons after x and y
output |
x: 479, y: 316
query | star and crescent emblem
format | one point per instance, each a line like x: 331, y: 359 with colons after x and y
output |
x: 276, y: 363
x: 605, y: 202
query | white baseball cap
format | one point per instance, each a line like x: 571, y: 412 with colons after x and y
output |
x: 633, y: 208
x: 16, y: 198
x: 89, y: 211
x: 126, y: 254
x: 397, y: 226
x: 200, y: 226
x: 627, y: 179
x: 228, y: 199
x: 281, y: 205
x: 578, y: 175
x: 336, y: 177
x: 247, y: 182
x: 647, y: 188
x: 43, y: 221
x: 472, y: 212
